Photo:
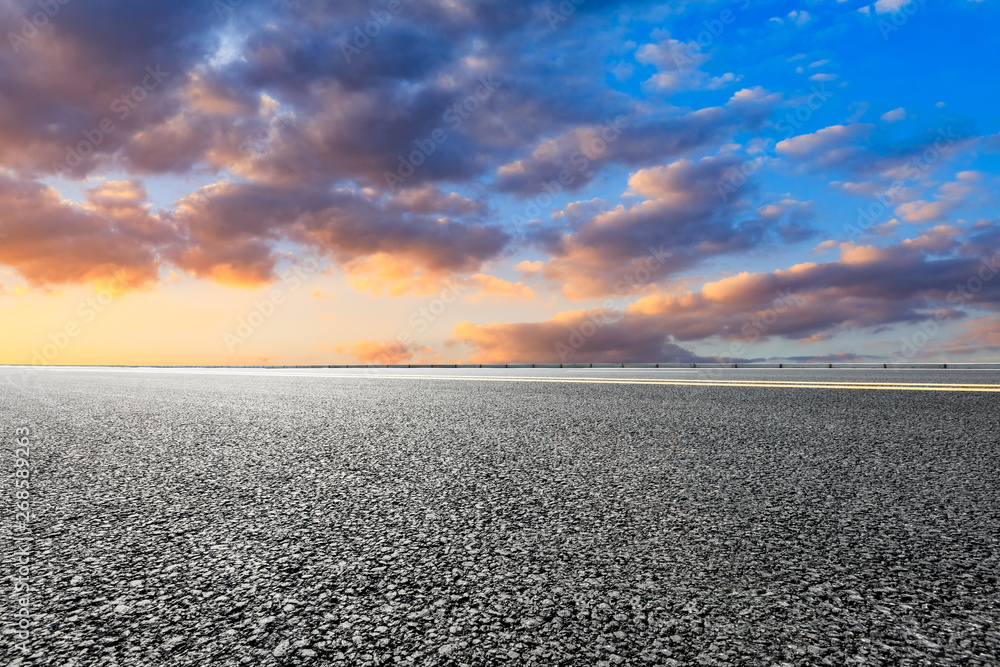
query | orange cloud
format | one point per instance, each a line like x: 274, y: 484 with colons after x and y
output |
x: 386, y: 273
x: 203, y: 94
x: 246, y: 264
x: 381, y: 352
x: 867, y: 288
x: 979, y: 335
x: 487, y: 286
x: 112, y: 235
x: 319, y: 294
x: 580, y: 336
x: 680, y: 221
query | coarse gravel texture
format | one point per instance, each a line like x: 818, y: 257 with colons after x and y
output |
x: 268, y: 519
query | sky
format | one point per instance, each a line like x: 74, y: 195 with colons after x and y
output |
x: 482, y: 181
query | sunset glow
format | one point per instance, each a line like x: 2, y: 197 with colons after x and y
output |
x: 423, y: 181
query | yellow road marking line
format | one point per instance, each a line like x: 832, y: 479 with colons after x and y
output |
x: 607, y: 380
x: 694, y: 383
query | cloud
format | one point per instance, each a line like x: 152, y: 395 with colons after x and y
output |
x: 868, y: 288
x: 225, y: 79
x: 385, y: 162
x: 320, y: 294
x: 680, y: 220
x: 799, y: 17
x: 571, y: 160
x: 925, y: 211
x: 382, y: 353
x: 678, y: 65
x: 85, y: 84
x: 795, y: 17
x: 890, y: 6
x: 894, y: 115
x: 386, y: 273
x: 231, y: 230
x: 430, y: 200
x: 671, y: 55
x: 861, y: 151
x: 949, y: 197
x: 579, y: 154
x: 580, y: 336
x: 831, y: 145
x: 976, y: 336
x: 492, y: 286
x: 112, y: 235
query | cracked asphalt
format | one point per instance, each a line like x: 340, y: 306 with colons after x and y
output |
x: 222, y: 518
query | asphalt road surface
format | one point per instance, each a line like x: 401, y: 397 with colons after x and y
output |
x: 484, y: 517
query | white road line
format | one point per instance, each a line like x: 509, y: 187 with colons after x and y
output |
x: 773, y: 384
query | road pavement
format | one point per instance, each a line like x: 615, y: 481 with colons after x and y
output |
x: 518, y: 516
